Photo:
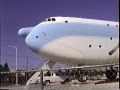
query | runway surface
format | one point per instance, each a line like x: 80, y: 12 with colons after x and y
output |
x: 89, y: 85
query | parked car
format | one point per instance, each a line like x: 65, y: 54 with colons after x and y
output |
x: 52, y: 77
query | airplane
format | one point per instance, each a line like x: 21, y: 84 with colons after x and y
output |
x: 74, y: 40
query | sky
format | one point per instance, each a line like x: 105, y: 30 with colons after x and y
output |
x: 16, y: 14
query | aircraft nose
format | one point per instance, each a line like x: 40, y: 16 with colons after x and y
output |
x: 32, y: 43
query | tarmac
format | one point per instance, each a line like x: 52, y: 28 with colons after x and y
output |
x: 74, y: 85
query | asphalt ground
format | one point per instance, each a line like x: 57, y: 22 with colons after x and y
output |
x: 74, y: 85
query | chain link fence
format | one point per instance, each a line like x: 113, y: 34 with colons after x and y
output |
x: 66, y: 79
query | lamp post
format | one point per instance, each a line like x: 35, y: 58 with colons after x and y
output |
x: 16, y: 63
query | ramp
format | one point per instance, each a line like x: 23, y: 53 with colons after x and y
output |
x: 46, y: 66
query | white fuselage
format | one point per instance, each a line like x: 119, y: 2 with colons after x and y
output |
x: 76, y: 50
x: 75, y: 40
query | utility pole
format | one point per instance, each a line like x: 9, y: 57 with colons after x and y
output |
x: 27, y: 64
x: 117, y: 9
x: 16, y: 62
x: 26, y: 68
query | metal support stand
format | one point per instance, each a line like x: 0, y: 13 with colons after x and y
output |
x: 41, y: 79
x: 46, y: 66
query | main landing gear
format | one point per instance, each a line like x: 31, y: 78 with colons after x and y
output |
x: 111, y: 74
x: 80, y: 75
x: 82, y: 78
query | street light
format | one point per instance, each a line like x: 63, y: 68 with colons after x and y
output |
x: 16, y: 63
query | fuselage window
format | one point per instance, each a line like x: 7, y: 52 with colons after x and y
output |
x: 100, y: 46
x: 108, y: 25
x: 36, y: 36
x: 110, y: 38
x: 116, y: 25
x: 66, y: 21
x: 90, y: 46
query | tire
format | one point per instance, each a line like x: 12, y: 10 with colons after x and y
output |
x: 47, y: 82
x: 66, y: 81
x: 82, y: 78
x: 63, y: 83
x: 111, y: 74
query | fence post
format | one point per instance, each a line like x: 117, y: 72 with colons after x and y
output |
x: 41, y: 79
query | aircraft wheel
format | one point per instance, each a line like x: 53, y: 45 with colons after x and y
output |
x: 82, y: 78
x: 111, y: 74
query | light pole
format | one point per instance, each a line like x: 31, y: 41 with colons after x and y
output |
x: 16, y: 63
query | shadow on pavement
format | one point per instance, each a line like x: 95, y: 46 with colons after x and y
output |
x: 107, y: 81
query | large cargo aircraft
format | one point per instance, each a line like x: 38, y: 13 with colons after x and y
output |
x: 73, y: 40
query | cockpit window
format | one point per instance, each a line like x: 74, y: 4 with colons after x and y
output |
x: 53, y: 19
x: 49, y: 19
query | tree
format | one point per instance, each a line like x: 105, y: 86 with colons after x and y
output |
x: 1, y: 68
x: 6, y: 68
x: 1, y: 75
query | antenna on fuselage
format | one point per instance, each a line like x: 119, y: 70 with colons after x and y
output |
x: 114, y: 49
